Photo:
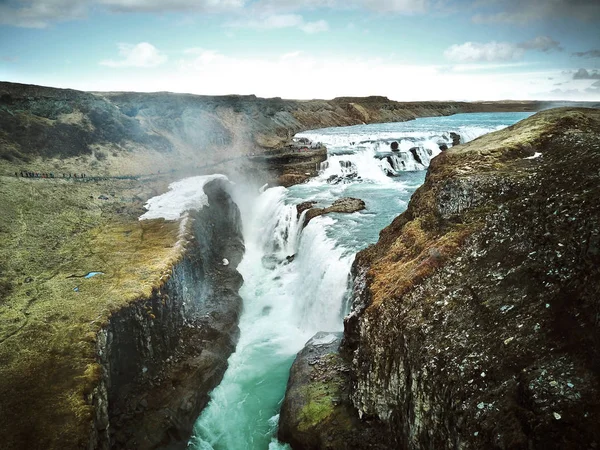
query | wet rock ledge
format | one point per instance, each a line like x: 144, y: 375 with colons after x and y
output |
x: 161, y: 356
x: 475, y: 317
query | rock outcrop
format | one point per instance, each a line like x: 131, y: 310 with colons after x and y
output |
x: 474, y: 321
x: 124, y: 359
x: 316, y: 412
x: 343, y: 205
x: 161, y: 357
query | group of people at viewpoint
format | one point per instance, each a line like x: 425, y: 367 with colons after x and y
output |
x: 28, y: 174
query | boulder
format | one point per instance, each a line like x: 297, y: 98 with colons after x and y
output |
x: 342, y: 205
x: 455, y: 138
x: 316, y: 412
x: 415, y: 154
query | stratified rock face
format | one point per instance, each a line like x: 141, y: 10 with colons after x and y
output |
x: 475, y: 321
x: 161, y: 357
x: 182, y: 129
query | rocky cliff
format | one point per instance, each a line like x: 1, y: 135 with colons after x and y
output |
x: 475, y: 316
x: 162, y: 356
x: 124, y: 359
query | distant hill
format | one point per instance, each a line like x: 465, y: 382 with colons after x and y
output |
x: 125, y: 132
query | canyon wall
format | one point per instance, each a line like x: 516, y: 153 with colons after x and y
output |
x: 161, y: 356
x: 475, y: 316
x: 133, y: 133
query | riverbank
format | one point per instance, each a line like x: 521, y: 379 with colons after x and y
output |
x: 110, y: 134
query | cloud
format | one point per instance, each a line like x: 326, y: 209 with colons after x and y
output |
x: 594, y: 88
x: 541, y: 43
x: 139, y: 55
x: 315, y: 27
x: 172, y: 5
x: 279, y: 21
x: 499, y: 51
x: 9, y: 59
x: 478, y: 52
x: 525, y: 11
x: 486, y: 66
x: 39, y: 13
x: 583, y: 74
x: 380, y: 6
x: 595, y: 53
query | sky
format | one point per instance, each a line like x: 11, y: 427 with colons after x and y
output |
x: 407, y: 50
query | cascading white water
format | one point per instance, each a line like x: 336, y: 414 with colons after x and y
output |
x: 291, y: 291
x: 362, y: 164
x: 359, y: 153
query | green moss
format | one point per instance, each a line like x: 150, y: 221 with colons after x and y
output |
x: 323, y: 401
x: 319, y: 406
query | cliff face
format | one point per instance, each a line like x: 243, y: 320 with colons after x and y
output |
x: 161, y: 357
x: 475, y: 317
x: 475, y: 322
x: 124, y: 359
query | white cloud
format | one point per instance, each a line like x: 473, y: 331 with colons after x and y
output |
x: 172, y: 5
x: 381, y: 6
x: 139, y: 55
x: 525, y: 11
x: 315, y: 27
x: 279, y: 21
x: 39, y: 13
x: 542, y: 44
x: 211, y: 72
x: 477, y: 52
x: 486, y: 66
x: 470, y: 52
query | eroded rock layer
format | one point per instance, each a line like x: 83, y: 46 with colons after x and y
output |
x: 162, y: 356
x: 128, y: 133
x: 476, y: 317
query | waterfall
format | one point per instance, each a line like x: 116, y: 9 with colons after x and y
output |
x: 291, y: 291
x: 357, y: 153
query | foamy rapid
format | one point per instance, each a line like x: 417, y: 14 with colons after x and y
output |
x: 368, y: 156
